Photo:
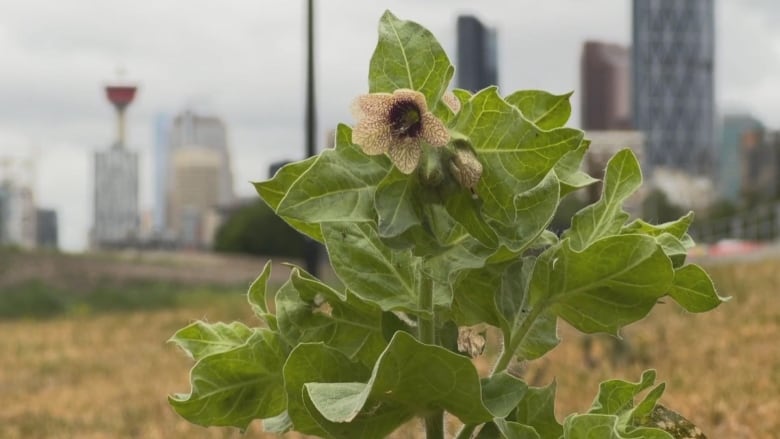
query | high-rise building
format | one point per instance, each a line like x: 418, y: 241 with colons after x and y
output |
x: 190, y: 130
x: 477, y: 65
x: 17, y: 215
x: 116, y: 197
x: 116, y: 182
x: 741, y: 133
x: 162, y: 159
x: 195, y: 173
x: 605, y: 76
x: 46, y: 228
x: 673, y: 95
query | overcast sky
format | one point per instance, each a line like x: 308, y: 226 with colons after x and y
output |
x: 243, y: 61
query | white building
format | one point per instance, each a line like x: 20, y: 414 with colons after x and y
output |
x: 116, y: 197
x: 17, y: 216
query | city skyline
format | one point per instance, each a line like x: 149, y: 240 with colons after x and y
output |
x: 246, y: 65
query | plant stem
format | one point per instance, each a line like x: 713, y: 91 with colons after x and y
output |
x: 466, y: 431
x: 518, y: 335
x: 434, y: 426
x: 426, y: 325
x: 426, y: 333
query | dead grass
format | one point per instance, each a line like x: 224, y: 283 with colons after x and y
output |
x: 107, y: 376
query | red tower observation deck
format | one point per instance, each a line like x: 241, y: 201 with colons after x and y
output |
x: 120, y: 96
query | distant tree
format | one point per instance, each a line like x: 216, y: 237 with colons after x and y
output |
x: 721, y: 208
x: 255, y: 229
x: 657, y: 208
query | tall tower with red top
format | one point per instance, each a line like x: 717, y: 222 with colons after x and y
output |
x: 116, y: 181
x: 120, y: 96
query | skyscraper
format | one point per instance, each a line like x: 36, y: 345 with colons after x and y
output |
x: 605, y: 76
x: 162, y: 159
x: 200, y: 179
x: 192, y: 130
x: 741, y: 134
x: 477, y: 65
x: 116, y: 181
x: 673, y: 98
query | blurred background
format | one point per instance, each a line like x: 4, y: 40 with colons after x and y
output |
x: 130, y: 133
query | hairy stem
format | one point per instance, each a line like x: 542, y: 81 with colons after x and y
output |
x: 426, y: 325
x: 426, y: 333
x: 517, y: 337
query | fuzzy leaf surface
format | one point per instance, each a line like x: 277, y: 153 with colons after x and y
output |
x: 413, y: 375
x: 515, y: 153
x: 545, y: 109
x: 233, y: 387
x: 407, y: 55
x: 606, y: 216
x: 614, y: 282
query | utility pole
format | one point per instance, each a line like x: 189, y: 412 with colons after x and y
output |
x: 312, y: 247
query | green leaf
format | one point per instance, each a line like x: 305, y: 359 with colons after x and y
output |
x: 474, y: 296
x: 200, y: 339
x: 373, y: 271
x: 515, y: 430
x: 408, y: 56
x: 693, y: 289
x: 537, y: 409
x: 419, y: 377
x: 310, y: 311
x: 546, y: 110
x: 568, y: 170
x: 617, y: 396
x: 396, y: 203
x: 278, y: 424
x: 466, y: 211
x: 259, y: 296
x: 233, y: 387
x: 535, y: 209
x: 677, y: 228
x: 317, y: 363
x: 610, y: 284
x: 671, y: 236
x: 606, y: 217
x: 273, y: 191
x: 591, y: 427
x: 501, y: 393
x: 338, y: 186
x: 515, y: 153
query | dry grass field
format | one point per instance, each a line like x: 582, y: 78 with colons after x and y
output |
x: 107, y: 375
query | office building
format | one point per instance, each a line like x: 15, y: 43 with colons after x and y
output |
x: 190, y: 130
x: 162, y: 164
x: 605, y: 84
x: 740, y: 134
x: 195, y: 174
x: 17, y: 215
x: 46, y: 229
x: 673, y: 95
x: 477, y: 64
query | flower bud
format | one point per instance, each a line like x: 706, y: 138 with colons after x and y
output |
x: 465, y: 168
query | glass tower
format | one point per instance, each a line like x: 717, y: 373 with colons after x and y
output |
x: 673, y: 95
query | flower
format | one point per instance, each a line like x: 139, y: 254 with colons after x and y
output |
x: 396, y: 124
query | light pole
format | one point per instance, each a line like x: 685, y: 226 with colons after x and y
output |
x: 312, y: 247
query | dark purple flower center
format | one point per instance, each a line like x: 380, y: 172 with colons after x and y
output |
x: 405, y: 119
